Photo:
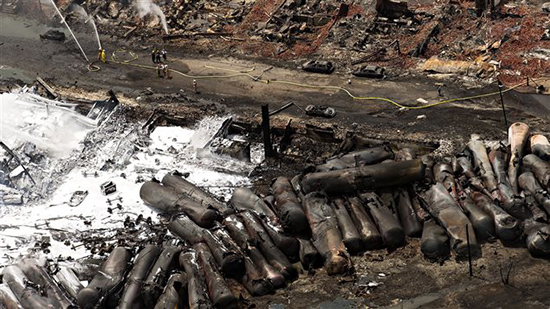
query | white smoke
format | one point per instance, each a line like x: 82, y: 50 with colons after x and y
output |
x: 75, y: 8
x: 81, y: 12
x: 146, y: 7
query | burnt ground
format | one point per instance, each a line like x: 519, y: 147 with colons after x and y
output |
x: 406, y: 275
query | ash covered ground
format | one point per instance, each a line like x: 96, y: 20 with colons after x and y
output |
x: 227, y: 59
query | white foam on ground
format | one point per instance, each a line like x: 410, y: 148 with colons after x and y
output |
x: 170, y: 148
x: 55, y: 129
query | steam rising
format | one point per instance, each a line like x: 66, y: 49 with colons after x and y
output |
x: 146, y: 7
x: 75, y: 8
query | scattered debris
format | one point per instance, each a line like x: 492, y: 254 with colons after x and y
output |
x: 325, y: 67
x: 53, y: 35
x: 320, y: 111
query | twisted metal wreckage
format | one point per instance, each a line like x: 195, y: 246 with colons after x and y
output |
x: 16, y: 179
x: 366, y: 199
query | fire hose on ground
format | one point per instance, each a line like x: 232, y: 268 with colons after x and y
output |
x: 245, y: 73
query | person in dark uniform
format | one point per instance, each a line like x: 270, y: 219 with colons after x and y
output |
x: 164, y: 54
x: 157, y: 56
x: 153, y: 55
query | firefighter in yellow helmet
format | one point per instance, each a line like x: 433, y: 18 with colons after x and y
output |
x: 103, y: 55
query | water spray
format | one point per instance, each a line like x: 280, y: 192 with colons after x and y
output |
x: 145, y: 7
x: 96, y: 33
x: 72, y: 34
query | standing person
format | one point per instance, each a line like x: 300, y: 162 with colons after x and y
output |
x: 166, y: 71
x: 195, y: 86
x: 160, y: 72
x: 163, y: 53
x: 103, y: 56
x: 153, y: 55
x: 99, y: 54
x: 157, y: 56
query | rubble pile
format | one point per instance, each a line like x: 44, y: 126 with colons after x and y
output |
x: 213, y: 253
x: 201, y: 16
x: 511, y: 42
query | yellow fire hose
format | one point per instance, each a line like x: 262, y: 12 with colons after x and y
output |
x: 245, y: 73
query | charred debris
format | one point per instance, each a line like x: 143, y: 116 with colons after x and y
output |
x: 207, y: 252
x: 484, y: 39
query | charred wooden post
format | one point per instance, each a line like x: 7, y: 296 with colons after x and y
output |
x: 153, y: 285
x: 482, y: 223
x: 196, y: 287
x: 540, y: 168
x: 364, y: 177
x: 310, y: 258
x: 38, y: 274
x: 350, y: 234
x: 132, y: 296
x: 238, y: 232
x: 512, y: 203
x: 220, y: 295
x: 183, y: 186
x: 266, y: 129
x: 288, y: 207
x: 169, y: 201
x: 531, y: 187
x: 507, y: 228
x: 245, y: 199
x: 481, y: 161
x: 108, y: 279
x: 69, y: 281
x: 540, y: 147
x: 27, y: 294
x: 434, y: 243
x: 391, y: 231
x: 357, y: 158
x: 366, y: 227
x: 407, y: 215
x: 327, y: 237
x: 272, y: 254
x: 518, y: 133
x: 443, y: 207
x: 175, y: 292
x: 7, y: 299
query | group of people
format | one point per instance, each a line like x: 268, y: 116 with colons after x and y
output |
x: 159, y: 58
